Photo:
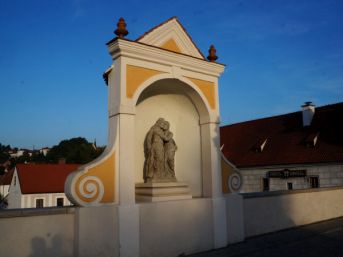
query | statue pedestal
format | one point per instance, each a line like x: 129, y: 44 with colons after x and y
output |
x: 162, y: 191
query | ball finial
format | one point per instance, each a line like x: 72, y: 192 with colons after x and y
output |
x: 121, y: 30
x: 212, y: 54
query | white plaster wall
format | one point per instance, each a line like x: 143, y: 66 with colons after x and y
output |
x: 264, y: 214
x: 184, y: 123
x: 281, y: 184
x: 4, y: 189
x: 235, y: 218
x: 50, y: 199
x: 329, y: 176
x: 38, y: 236
x: 14, y: 195
x: 168, y: 229
x: 97, y: 230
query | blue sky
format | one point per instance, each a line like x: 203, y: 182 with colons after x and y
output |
x: 279, y: 54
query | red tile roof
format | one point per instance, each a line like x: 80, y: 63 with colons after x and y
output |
x: 43, y: 178
x: 287, y: 139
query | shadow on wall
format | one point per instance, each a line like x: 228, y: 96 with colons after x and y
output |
x: 40, y: 247
x: 319, y: 239
x: 264, y: 214
x: 273, y: 211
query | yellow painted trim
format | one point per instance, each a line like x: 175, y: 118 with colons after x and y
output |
x: 105, y: 172
x: 171, y: 45
x: 227, y: 171
x: 208, y: 89
x: 135, y: 76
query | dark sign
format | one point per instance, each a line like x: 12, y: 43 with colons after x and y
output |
x: 286, y: 173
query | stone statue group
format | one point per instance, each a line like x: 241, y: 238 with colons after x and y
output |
x: 159, y: 151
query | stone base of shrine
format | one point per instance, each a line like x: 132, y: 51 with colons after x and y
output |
x: 162, y: 191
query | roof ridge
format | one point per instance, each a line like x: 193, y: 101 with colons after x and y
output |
x: 259, y: 119
x: 182, y: 27
x: 329, y: 105
x: 280, y: 115
x: 155, y: 27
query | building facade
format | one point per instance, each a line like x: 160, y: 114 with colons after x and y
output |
x: 39, y: 185
x: 293, y: 151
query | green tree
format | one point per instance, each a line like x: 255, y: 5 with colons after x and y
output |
x: 38, y: 157
x: 74, y: 150
x: 4, y: 156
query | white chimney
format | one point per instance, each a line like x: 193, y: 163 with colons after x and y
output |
x: 308, y: 110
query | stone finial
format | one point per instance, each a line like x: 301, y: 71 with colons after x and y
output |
x: 121, y: 30
x: 212, y: 54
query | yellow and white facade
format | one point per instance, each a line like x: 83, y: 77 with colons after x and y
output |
x: 161, y: 74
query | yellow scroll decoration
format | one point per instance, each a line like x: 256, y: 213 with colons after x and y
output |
x: 97, y: 184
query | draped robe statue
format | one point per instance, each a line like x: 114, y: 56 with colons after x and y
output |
x: 159, y: 151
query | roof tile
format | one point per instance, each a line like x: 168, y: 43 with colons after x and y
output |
x: 286, y: 139
x: 43, y: 178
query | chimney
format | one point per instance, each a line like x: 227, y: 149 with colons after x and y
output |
x: 308, y: 110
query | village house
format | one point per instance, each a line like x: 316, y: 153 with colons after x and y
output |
x: 39, y: 185
x: 296, y: 150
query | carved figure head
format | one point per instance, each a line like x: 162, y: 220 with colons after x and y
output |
x: 165, y: 125
x: 159, y: 122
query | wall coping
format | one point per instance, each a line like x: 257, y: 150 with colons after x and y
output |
x: 289, y: 166
x: 288, y: 192
x: 27, y: 212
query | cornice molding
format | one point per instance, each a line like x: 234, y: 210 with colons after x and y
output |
x: 136, y: 50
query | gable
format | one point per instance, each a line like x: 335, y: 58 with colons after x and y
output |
x: 171, y: 45
x: 171, y: 35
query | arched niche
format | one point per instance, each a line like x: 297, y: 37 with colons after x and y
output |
x: 182, y: 106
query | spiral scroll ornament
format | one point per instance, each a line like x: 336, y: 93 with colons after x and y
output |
x: 234, y: 182
x: 92, y: 189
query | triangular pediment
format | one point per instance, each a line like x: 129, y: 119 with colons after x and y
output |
x: 171, y: 35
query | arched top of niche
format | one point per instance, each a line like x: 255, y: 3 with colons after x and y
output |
x: 164, y: 84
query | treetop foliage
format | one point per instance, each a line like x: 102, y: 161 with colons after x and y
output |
x: 74, y: 150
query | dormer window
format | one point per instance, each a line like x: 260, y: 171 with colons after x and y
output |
x: 260, y: 145
x: 312, y: 139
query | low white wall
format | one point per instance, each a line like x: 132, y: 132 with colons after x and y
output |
x: 273, y: 211
x: 168, y: 229
x: 97, y: 231
x: 235, y: 218
x: 37, y: 233
x: 60, y: 232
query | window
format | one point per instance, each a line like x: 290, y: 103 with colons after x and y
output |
x: 39, y: 203
x: 265, y: 184
x: 314, y: 182
x: 289, y: 185
x: 260, y: 144
x: 59, y: 202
